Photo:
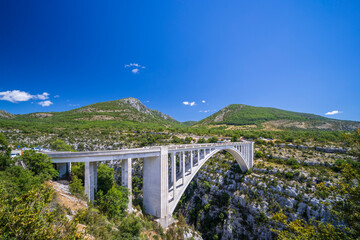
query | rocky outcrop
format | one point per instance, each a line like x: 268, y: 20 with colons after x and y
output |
x: 5, y: 114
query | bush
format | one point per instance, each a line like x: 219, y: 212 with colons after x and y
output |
x: 292, y: 161
x: 258, y: 154
x: 78, y: 170
x: 129, y: 228
x: 17, y: 180
x: 76, y: 187
x: 106, y: 178
x: 40, y: 164
x: 60, y: 145
x: 5, y: 151
x: 28, y: 217
x: 212, y: 140
x: 114, y: 202
x: 289, y: 175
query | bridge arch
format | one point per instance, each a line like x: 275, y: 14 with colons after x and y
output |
x: 238, y: 156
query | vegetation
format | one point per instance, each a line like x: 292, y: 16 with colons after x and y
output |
x: 239, y: 114
x: 218, y: 196
x: 40, y: 164
x: 25, y: 200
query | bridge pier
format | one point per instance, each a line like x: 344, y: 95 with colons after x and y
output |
x: 90, y: 180
x: 173, y: 159
x: 126, y: 176
x: 155, y: 186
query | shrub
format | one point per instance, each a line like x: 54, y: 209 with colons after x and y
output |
x: 129, y: 228
x: 60, y: 145
x: 28, y: 217
x: 106, y: 178
x: 40, y: 164
x: 258, y: 154
x: 114, y: 202
x: 289, y: 175
x: 76, y: 187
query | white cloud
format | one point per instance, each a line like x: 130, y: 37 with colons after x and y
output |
x: 74, y: 105
x: 189, y: 103
x: 43, y: 96
x: 206, y: 111
x: 333, y: 112
x: 15, y: 96
x: 203, y: 101
x: 45, y: 103
x: 134, y: 65
x: 56, y: 96
x: 135, y: 70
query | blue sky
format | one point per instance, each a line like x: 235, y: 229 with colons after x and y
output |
x: 299, y: 55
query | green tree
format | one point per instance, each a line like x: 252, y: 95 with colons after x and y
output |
x: 76, y: 187
x: 299, y: 229
x: 258, y: 154
x: 213, y: 140
x: 17, y: 180
x: 28, y: 216
x: 40, y: 164
x: 60, y: 145
x: 114, y: 202
x: 234, y: 138
x: 106, y: 178
x: 5, y: 151
x: 78, y: 169
x: 129, y: 228
x: 175, y: 139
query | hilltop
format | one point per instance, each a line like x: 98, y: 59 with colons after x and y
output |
x: 5, y: 114
x: 127, y: 112
x: 273, y: 118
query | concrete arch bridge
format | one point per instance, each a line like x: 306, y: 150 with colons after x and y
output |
x: 167, y: 170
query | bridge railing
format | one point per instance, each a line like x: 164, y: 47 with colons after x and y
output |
x: 186, y: 146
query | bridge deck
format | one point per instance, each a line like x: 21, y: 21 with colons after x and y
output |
x: 94, y: 156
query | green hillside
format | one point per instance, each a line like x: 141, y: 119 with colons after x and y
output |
x: 123, y: 113
x: 239, y: 114
x: 189, y: 123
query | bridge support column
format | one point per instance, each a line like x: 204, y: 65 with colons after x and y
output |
x: 183, y: 168
x: 155, y: 184
x: 252, y: 155
x: 126, y: 176
x: 90, y: 179
x: 198, y: 158
x: 173, y: 159
x: 191, y: 161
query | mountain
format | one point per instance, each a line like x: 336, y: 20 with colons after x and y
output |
x: 5, y: 114
x: 130, y: 113
x: 189, y: 123
x: 123, y: 112
x: 272, y: 118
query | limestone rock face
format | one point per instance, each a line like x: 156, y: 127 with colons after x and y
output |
x: 5, y: 114
x: 135, y: 103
